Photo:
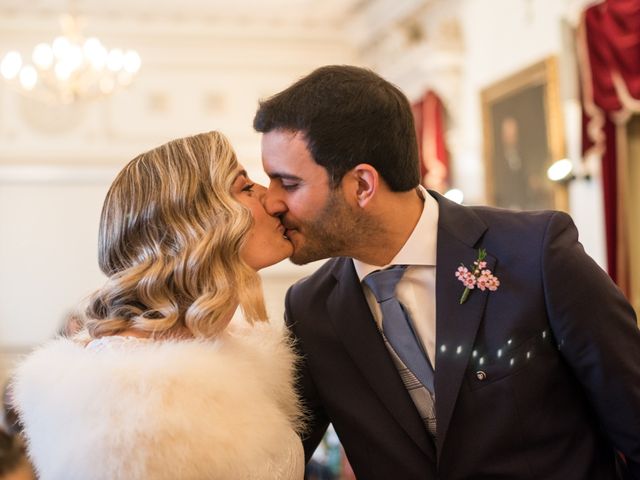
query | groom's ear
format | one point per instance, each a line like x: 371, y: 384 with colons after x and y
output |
x: 366, y: 182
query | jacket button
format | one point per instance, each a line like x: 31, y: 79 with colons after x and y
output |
x: 480, y: 375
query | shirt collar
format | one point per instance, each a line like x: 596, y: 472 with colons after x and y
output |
x: 421, y: 246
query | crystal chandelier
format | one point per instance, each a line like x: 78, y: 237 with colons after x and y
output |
x: 71, y: 68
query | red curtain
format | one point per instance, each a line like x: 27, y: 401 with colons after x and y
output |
x: 609, y: 54
x: 429, y: 116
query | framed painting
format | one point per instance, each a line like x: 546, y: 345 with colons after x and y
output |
x: 523, y: 136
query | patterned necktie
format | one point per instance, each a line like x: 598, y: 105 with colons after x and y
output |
x: 396, y: 323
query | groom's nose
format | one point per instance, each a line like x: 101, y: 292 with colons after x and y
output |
x: 273, y: 201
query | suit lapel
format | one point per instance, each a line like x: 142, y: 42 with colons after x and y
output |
x: 459, y: 232
x: 355, y: 326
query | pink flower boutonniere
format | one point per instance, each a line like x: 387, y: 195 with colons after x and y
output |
x: 479, y: 276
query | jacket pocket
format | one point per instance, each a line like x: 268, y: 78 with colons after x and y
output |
x: 487, y: 367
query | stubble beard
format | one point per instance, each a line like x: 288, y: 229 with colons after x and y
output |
x: 332, y: 233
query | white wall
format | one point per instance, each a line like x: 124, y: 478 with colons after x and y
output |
x: 48, y: 253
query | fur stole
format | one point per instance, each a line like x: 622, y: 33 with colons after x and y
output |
x: 224, y: 409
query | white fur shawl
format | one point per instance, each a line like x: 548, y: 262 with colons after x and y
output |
x: 163, y: 410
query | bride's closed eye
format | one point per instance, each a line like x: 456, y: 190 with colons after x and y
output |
x: 248, y: 187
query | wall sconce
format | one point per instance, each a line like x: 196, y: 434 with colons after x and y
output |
x: 561, y: 171
x: 455, y: 195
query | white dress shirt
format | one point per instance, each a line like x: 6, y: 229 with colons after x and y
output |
x: 416, y: 289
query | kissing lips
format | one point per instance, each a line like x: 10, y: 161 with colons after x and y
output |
x: 288, y: 229
x: 289, y: 232
x: 282, y: 230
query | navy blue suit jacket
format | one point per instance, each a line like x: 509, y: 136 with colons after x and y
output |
x: 557, y: 344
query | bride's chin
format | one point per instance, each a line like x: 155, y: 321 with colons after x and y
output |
x: 287, y: 246
x: 284, y: 253
x: 287, y: 252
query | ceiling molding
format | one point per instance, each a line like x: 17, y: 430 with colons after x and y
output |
x: 205, y: 15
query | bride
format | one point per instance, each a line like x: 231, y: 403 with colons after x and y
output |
x: 160, y: 385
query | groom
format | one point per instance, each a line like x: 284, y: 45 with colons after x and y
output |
x: 526, y: 365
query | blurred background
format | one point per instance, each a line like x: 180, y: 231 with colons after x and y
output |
x: 502, y: 90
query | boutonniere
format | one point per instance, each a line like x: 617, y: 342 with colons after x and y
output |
x: 479, y: 276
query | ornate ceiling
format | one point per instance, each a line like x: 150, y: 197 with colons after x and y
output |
x: 281, y: 11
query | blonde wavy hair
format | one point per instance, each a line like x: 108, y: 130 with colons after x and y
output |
x: 169, y: 242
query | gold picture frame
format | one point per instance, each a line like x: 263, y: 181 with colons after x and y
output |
x: 523, y: 135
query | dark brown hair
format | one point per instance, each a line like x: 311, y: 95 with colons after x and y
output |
x: 349, y: 115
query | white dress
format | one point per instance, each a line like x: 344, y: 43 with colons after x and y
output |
x: 134, y: 409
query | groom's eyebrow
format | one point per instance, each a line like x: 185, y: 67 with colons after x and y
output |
x: 282, y: 176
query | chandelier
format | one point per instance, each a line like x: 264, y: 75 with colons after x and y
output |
x: 71, y: 68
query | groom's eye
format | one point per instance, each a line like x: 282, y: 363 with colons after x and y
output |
x: 289, y: 186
